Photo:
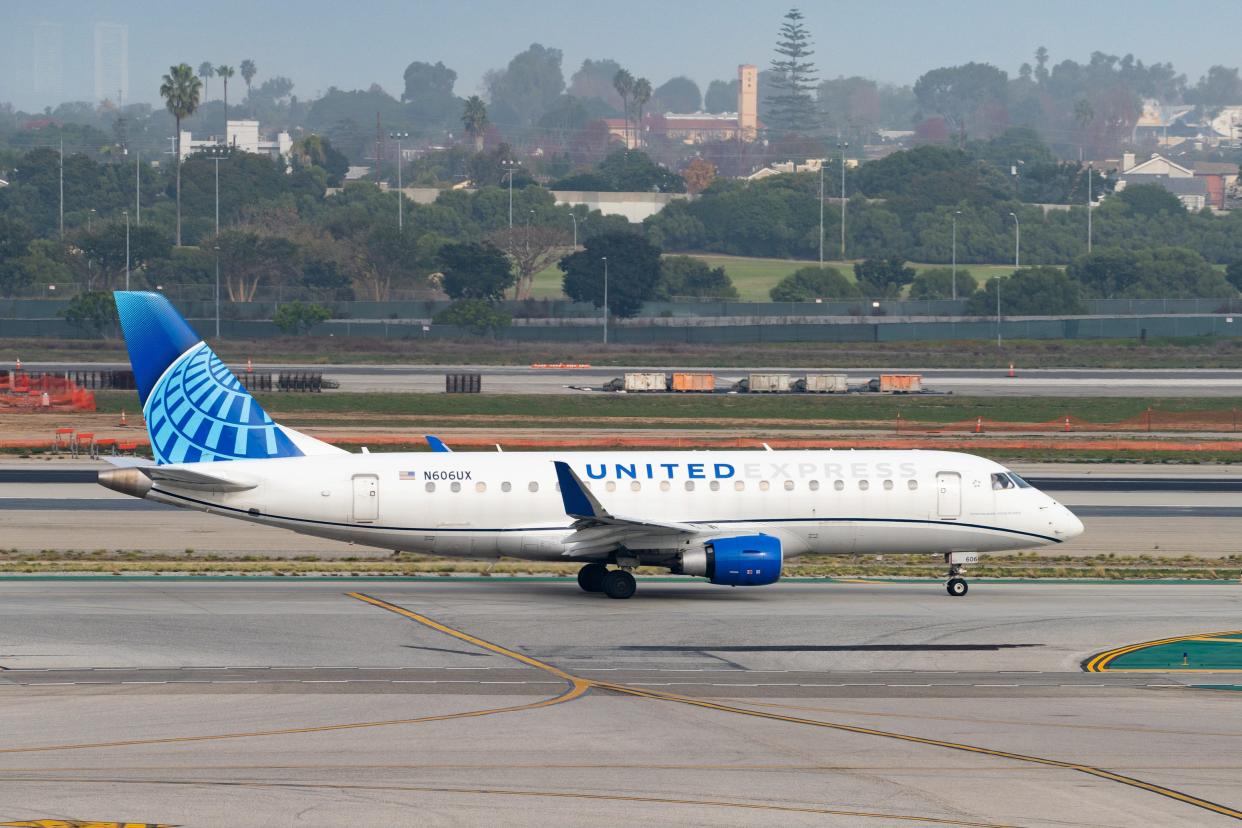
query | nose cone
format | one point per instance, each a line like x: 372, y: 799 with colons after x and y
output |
x: 1069, y: 526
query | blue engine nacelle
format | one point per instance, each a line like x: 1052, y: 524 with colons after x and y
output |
x: 747, y: 560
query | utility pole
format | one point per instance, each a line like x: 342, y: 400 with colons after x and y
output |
x: 821, y: 212
x: 510, y: 165
x: 1090, y: 170
x: 62, y: 188
x: 605, y: 260
x: 843, y: 148
x: 126, y: 212
x: 216, y: 154
x: 574, y: 219
x: 217, y: 249
x: 138, y: 187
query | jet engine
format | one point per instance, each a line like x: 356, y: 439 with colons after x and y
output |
x: 745, y: 560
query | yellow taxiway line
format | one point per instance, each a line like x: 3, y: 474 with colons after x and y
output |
x: 1099, y: 663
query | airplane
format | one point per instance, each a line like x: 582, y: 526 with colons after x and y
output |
x: 731, y: 517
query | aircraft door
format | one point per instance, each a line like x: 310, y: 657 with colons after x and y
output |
x: 366, y: 498
x: 949, y: 495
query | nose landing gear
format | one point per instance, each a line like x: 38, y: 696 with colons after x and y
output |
x: 956, y: 585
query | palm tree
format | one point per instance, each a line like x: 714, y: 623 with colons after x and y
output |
x: 642, y: 94
x: 206, y: 70
x: 474, y: 119
x: 225, y: 72
x: 248, y: 71
x: 623, y: 82
x: 180, y: 91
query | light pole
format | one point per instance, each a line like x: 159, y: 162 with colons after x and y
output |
x: 138, y: 188
x: 956, y: 213
x: 90, y: 214
x: 574, y: 219
x: 217, y: 249
x: 510, y: 165
x: 843, y: 146
x: 216, y: 154
x: 1090, y: 170
x: 399, y: 136
x: 821, y: 212
x: 604, y: 259
x: 126, y: 213
x: 1017, y: 247
x: 62, y: 189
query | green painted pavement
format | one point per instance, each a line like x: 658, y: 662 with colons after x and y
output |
x: 1219, y: 653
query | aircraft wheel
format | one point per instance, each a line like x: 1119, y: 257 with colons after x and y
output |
x: 619, y: 584
x: 591, y: 577
x: 957, y: 587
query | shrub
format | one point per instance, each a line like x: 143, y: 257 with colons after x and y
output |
x: 809, y: 283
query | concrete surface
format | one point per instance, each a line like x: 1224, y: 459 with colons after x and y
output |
x: 287, y: 704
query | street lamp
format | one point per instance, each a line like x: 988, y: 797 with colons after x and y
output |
x: 843, y: 147
x: 126, y: 213
x: 821, y: 213
x: 1090, y: 170
x: 956, y: 213
x: 217, y: 249
x: 216, y: 154
x: 1017, y: 243
x: 604, y: 259
x: 89, y: 216
x: 574, y: 219
x: 510, y: 166
x: 398, y: 137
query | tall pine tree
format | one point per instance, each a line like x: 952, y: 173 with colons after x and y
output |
x: 792, y: 108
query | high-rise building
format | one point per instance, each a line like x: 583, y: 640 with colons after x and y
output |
x: 748, y: 101
x: 111, y: 63
x: 48, y: 64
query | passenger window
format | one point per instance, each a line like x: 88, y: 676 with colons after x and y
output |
x: 839, y: 485
x: 739, y: 485
x: 689, y: 485
x: 610, y: 486
x: 763, y: 485
x: 863, y: 485
x: 1001, y: 481
x: 455, y: 486
x: 431, y: 487
x: 506, y: 486
x: 664, y: 486
x: 789, y: 485
x: 912, y: 485
x: 714, y: 485
x: 480, y: 487
x: 533, y: 487
x: 888, y: 485
x: 635, y: 486
x: 814, y: 484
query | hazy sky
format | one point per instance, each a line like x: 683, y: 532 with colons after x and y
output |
x: 352, y: 44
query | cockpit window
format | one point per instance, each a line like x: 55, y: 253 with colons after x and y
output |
x: 1022, y: 484
x: 1001, y: 481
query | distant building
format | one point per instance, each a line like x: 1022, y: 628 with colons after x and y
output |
x: 1181, y: 181
x: 1221, y: 178
x: 242, y: 136
x: 811, y: 165
x: 700, y: 127
x: 111, y: 63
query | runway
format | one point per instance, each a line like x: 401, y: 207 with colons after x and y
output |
x: 531, y: 703
x: 522, y: 379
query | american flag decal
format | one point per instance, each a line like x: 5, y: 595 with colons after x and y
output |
x: 407, y: 475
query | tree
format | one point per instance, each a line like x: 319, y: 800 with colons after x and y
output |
x: 246, y: 258
x: 1041, y: 65
x: 688, y: 277
x: 474, y: 119
x: 624, y: 171
x: 623, y: 82
x: 594, y: 80
x: 633, y: 270
x: 642, y: 94
x: 93, y: 313
x: 721, y: 96
x: 679, y: 94
x: 1151, y: 200
x: 248, y: 71
x: 109, y: 249
x: 15, y: 238
x: 883, y: 278
x: 937, y: 283
x: 809, y: 283
x: 296, y: 319
x: 180, y: 91
x: 1233, y: 273
x: 532, y: 249
x: 1032, y: 291
x: 698, y: 175
x: 792, y: 107
x: 478, y: 316
x: 970, y: 93
x: 206, y: 71
x: 527, y: 88
x: 429, y: 91
x: 475, y: 271
x: 225, y: 72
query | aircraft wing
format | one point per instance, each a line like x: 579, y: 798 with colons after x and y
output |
x: 597, y: 530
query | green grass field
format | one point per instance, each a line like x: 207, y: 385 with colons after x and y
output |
x: 754, y: 277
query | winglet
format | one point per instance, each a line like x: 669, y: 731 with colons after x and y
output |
x: 435, y: 443
x: 579, y: 502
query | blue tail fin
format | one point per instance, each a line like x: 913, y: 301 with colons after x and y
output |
x: 196, y: 410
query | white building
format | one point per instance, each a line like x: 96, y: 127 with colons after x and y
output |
x: 111, y: 63
x: 242, y: 136
x: 1181, y: 181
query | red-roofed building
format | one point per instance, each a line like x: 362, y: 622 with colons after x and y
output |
x: 699, y: 127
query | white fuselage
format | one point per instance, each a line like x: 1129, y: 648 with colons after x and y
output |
x: 483, y: 505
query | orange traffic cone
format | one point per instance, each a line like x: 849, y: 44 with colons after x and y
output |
x: 1012, y: 372
x: 978, y: 425
x: 123, y: 420
x: 19, y: 363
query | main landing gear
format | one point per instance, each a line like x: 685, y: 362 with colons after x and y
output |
x: 615, y: 583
